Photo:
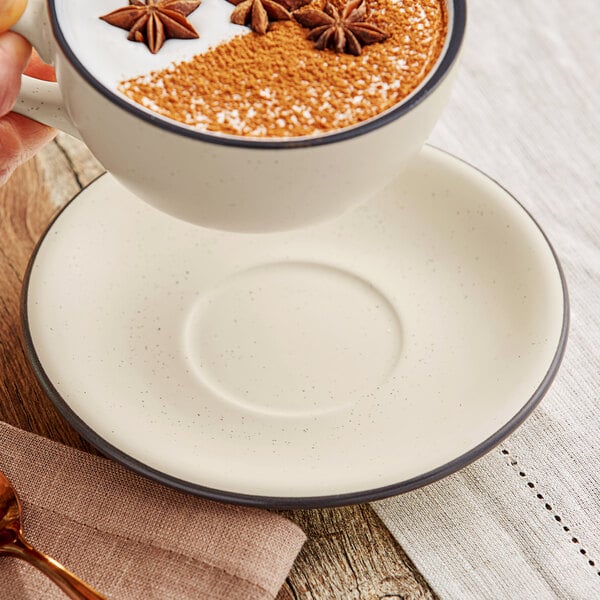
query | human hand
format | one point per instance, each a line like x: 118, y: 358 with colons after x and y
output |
x: 20, y: 137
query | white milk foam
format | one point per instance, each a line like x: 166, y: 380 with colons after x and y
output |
x: 110, y: 57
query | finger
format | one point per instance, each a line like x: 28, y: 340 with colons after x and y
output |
x: 15, y: 52
x: 20, y: 139
x: 39, y: 69
x: 10, y: 12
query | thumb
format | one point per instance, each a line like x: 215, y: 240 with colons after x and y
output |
x: 15, y: 52
x: 10, y: 12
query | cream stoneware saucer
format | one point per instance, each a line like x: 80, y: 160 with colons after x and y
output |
x: 335, y: 364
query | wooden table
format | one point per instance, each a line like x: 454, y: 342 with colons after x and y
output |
x: 349, y: 553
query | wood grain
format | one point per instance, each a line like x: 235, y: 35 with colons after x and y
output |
x: 349, y: 554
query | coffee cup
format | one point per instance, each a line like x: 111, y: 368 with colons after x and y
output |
x: 223, y: 181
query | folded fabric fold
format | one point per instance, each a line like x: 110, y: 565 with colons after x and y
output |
x: 132, y: 538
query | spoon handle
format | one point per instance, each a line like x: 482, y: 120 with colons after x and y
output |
x: 70, y: 584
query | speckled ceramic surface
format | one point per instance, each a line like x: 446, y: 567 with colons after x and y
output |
x: 342, y: 362
x: 234, y: 183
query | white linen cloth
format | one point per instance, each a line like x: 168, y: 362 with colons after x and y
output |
x: 524, y: 521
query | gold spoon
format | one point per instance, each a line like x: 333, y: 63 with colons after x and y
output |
x: 13, y: 543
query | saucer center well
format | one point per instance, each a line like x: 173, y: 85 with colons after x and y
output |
x: 293, y: 338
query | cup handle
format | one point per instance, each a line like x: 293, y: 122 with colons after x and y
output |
x: 41, y: 100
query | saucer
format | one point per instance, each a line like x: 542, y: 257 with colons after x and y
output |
x: 336, y: 364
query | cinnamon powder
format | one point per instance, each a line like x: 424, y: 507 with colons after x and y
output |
x: 279, y: 85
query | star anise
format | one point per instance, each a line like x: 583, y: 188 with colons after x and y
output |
x: 258, y: 13
x: 346, y: 32
x: 154, y: 21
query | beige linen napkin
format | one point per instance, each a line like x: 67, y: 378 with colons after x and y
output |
x: 134, y: 539
x: 522, y: 523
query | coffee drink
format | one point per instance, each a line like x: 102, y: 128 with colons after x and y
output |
x: 281, y: 69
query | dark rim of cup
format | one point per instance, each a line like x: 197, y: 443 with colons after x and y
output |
x: 456, y: 33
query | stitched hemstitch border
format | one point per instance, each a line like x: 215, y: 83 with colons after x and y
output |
x: 557, y: 518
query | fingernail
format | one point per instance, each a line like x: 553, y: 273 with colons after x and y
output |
x: 10, y: 13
